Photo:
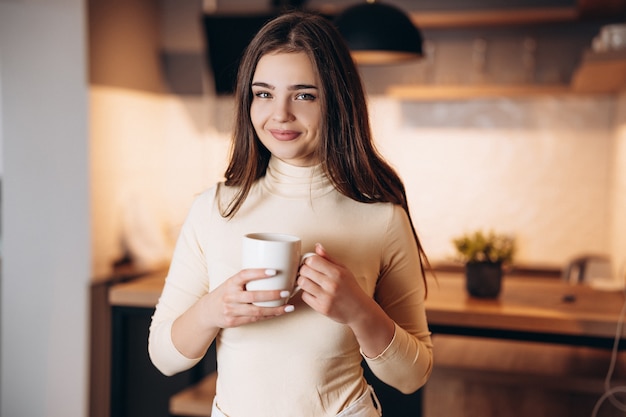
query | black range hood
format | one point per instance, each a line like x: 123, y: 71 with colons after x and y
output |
x: 226, y: 38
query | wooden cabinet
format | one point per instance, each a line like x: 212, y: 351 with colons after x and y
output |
x: 601, y: 73
x: 464, y: 92
x: 525, y: 52
x: 124, y: 383
x: 137, y: 388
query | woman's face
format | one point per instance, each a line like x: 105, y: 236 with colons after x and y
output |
x: 286, y: 109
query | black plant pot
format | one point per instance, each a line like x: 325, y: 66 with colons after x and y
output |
x: 483, y: 279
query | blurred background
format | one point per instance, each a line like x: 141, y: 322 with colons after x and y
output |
x: 111, y: 122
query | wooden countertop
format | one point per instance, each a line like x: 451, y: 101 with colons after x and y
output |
x: 140, y: 292
x: 526, y: 304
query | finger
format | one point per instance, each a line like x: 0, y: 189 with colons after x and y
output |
x: 249, y: 313
x: 242, y: 304
x: 310, y: 281
x: 320, y: 268
x: 259, y: 311
x: 253, y: 296
x: 255, y: 313
x: 321, y: 251
x: 253, y: 274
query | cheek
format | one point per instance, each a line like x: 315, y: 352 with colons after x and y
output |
x: 313, y: 117
x: 314, y: 121
x: 258, y: 114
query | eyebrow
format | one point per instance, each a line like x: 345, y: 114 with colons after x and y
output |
x: 294, y: 87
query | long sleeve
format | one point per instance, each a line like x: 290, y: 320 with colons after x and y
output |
x: 407, y: 362
x: 187, y: 281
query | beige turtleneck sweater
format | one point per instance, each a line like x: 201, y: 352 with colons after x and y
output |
x: 302, y: 363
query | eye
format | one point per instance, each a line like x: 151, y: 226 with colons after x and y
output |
x: 262, y: 94
x: 305, y: 96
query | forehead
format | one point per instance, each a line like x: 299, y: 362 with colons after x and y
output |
x: 285, y: 68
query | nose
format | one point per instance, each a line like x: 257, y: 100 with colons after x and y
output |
x: 282, y: 111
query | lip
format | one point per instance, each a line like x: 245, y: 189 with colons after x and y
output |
x: 284, y: 135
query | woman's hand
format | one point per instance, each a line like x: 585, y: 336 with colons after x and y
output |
x: 329, y: 288
x: 228, y: 305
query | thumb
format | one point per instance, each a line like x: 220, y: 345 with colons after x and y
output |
x: 320, y: 250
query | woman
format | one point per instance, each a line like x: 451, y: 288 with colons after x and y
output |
x: 303, y: 163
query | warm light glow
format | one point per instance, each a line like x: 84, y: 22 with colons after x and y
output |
x: 382, y: 57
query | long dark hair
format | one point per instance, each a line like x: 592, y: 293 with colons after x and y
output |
x: 346, y: 152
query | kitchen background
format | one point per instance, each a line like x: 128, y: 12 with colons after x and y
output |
x: 546, y: 168
x: 94, y: 137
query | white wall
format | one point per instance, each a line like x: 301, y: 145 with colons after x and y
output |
x: 539, y: 168
x: 150, y: 155
x: 45, y: 220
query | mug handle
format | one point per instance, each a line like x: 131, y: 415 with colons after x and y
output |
x: 297, y: 289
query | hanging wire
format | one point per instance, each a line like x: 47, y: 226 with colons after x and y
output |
x: 609, y: 393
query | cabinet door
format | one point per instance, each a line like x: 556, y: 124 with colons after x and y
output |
x: 138, y: 389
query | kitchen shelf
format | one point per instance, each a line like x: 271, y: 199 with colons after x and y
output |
x: 521, y: 16
x: 599, y: 73
x: 464, y: 92
x: 460, y: 15
x: 603, y: 72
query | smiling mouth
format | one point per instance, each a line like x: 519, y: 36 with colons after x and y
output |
x: 284, y: 135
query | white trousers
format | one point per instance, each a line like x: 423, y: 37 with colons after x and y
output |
x: 367, y: 405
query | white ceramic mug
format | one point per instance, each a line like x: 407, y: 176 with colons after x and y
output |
x: 277, y: 251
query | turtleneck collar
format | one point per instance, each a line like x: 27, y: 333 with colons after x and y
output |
x: 292, y: 181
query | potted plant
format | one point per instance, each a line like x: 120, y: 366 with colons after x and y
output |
x: 484, y: 254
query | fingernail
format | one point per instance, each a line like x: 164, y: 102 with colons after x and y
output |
x: 284, y: 294
x: 270, y: 272
x: 289, y: 308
